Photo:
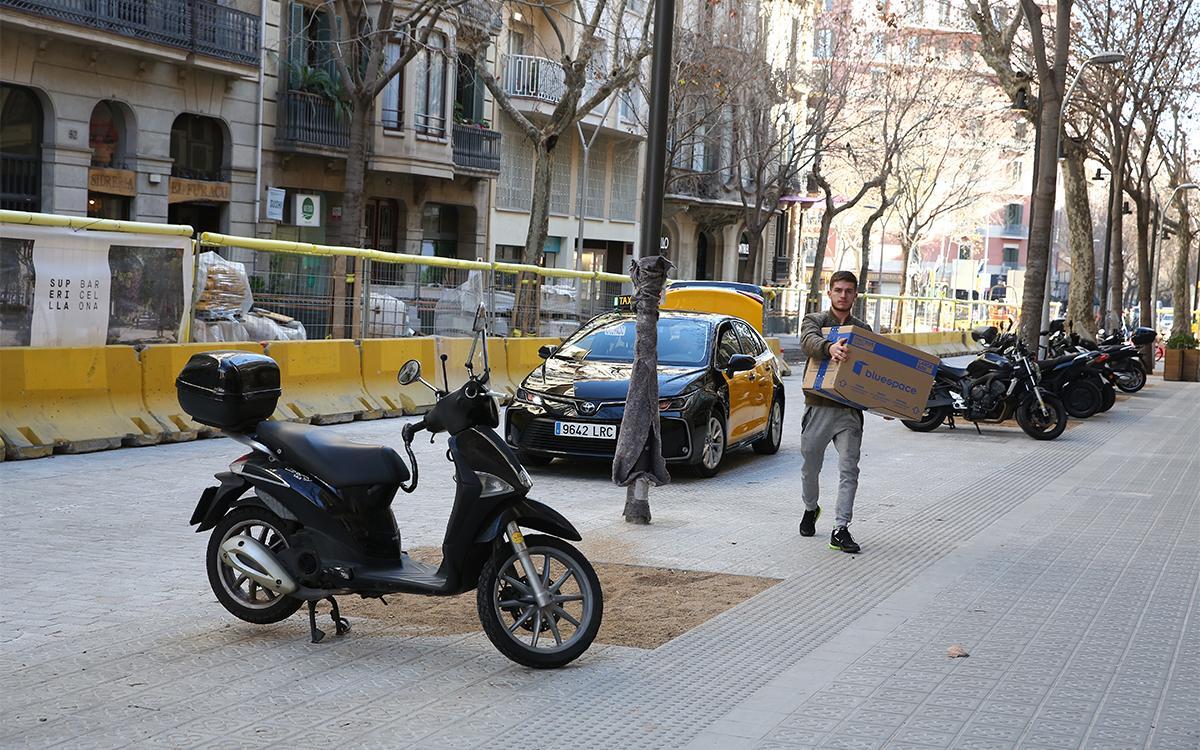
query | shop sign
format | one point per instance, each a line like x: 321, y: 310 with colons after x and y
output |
x: 182, y: 191
x: 306, y: 210
x: 112, y: 181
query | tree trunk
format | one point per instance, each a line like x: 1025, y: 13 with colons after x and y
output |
x: 1034, y: 292
x: 539, y: 212
x: 746, y: 272
x: 813, y: 301
x: 350, y: 232
x: 1083, y: 259
x: 1145, y: 270
x: 906, y: 251
x: 526, y: 312
x: 1112, y: 237
x: 1179, y: 282
x: 864, y: 261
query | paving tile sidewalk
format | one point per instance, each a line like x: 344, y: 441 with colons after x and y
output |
x: 1067, y: 569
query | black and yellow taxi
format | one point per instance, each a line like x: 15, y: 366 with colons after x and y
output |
x: 719, y: 389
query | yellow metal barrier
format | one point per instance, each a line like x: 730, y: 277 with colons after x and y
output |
x: 322, y: 382
x: 72, y: 400
x: 381, y: 362
x: 83, y: 222
x: 160, y: 366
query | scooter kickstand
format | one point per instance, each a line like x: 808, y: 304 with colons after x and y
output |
x: 341, y: 624
x: 317, y: 633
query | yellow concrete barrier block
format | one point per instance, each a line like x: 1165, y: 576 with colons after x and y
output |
x: 499, y: 379
x: 161, y: 365
x: 382, y: 360
x: 322, y: 382
x: 72, y: 400
x: 523, y: 356
x: 456, y: 349
x: 776, y: 347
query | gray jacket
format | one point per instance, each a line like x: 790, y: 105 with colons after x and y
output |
x: 816, y: 347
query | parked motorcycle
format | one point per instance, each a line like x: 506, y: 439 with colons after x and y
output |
x: 306, y: 516
x: 994, y: 388
x: 1124, y: 359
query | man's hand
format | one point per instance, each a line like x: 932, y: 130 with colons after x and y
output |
x: 838, y: 351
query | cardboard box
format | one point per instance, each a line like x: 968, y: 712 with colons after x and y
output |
x: 879, y: 375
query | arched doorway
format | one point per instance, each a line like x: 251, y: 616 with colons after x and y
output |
x: 111, y: 183
x: 199, y: 191
x: 20, y: 149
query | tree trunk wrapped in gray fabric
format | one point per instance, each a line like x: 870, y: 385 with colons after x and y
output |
x: 638, y: 461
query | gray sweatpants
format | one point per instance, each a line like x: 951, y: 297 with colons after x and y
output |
x: 822, y: 424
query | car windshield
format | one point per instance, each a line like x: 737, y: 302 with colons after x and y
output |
x: 681, y: 342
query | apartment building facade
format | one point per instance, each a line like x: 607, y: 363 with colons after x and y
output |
x: 132, y: 111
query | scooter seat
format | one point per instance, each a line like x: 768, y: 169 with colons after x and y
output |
x: 340, y: 462
x: 1049, y: 364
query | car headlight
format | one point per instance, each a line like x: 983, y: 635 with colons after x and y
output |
x: 529, y: 397
x: 492, y: 484
x: 677, y: 403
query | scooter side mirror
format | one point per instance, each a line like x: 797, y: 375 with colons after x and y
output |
x: 409, y: 373
x: 547, y: 351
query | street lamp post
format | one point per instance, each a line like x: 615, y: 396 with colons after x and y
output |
x: 1158, y: 237
x: 586, y: 145
x: 1103, y: 58
x: 879, y: 270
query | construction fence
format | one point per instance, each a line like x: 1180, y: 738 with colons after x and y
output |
x: 890, y: 313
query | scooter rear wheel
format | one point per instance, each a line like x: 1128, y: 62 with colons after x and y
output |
x: 1131, y: 378
x: 243, y: 598
x: 1082, y: 398
x: 543, y: 638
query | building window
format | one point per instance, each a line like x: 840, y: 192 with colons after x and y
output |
x: 1014, y: 170
x: 597, y: 179
x: 20, y: 149
x: 878, y: 44
x: 106, y: 137
x: 198, y: 148
x: 945, y: 13
x: 913, y: 48
x: 1012, y: 215
x: 631, y: 100
x: 468, y: 93
x: 310, y: 49
x: 430, y: 117
x: 560, y: 179
x: 916, y: 10
x: 514, y: 188
x: 392, y: 111
x: 624, y: 185
x: 823, y: 45
x: 1011, y: 255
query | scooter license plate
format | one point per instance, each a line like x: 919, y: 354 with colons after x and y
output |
x: 586, y: 430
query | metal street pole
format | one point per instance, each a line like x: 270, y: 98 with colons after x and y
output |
x: 879, y: 271
x: 1112, y: 186
x: 656, y: 139
x: 586, y: 144
x: 1103, y: 58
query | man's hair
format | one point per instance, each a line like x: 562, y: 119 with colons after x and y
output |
x: 843, y: 276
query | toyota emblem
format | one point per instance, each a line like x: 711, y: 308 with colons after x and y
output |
x: 587, y: 407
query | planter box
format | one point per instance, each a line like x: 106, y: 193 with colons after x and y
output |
x: 1173, y: 364
x: 1191, y: 365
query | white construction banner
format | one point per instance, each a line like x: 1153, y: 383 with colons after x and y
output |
x: 66, y: 287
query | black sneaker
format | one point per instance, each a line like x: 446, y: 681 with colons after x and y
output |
x: 808, y: 522
x: 840, y: 539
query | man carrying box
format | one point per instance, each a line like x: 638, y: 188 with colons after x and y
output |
x: 826, y: 420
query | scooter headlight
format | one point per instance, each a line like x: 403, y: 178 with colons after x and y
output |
x: 492, y: 484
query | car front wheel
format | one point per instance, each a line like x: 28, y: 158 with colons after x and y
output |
x: 712, y: 447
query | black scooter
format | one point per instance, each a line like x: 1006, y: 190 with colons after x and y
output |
x: 306, y: 515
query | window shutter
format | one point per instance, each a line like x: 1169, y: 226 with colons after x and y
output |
x: 296, y: 39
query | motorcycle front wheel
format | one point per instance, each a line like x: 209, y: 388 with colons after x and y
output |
x: 1133, y: 378
x: 540, y: 637
x: 1039, y: 425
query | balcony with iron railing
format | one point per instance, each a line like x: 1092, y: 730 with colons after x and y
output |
x: 476, y: 149
x: 314, y: 121
x: 542, y: 79
x: 200, y: 26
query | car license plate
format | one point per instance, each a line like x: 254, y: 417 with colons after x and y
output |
x: 586, y: 430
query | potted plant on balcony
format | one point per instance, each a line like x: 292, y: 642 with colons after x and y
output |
x: 310, y: 79
x: 1181, y: 358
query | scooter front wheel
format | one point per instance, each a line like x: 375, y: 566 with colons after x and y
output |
x: 540, y: 637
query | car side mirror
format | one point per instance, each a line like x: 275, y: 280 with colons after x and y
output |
x: 547, y: 351
x: 739, y: 363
